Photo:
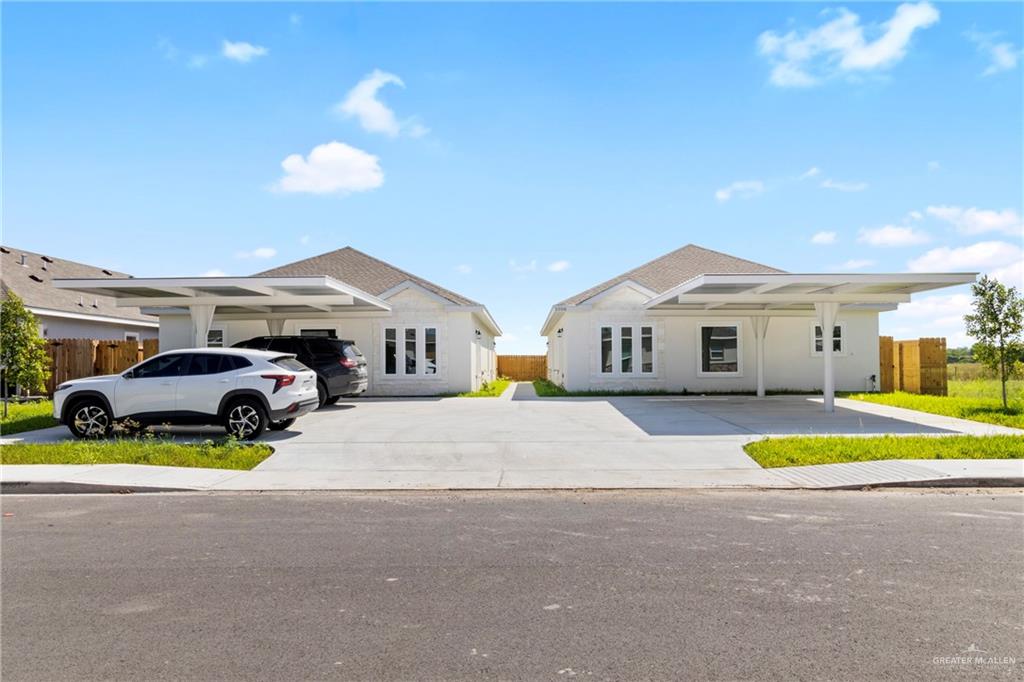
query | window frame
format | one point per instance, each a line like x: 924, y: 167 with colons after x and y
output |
x: 701, y: 325
x: 223, y: 337
x: 842, y: 340
x: 636, y: 349
x: 421, y: 352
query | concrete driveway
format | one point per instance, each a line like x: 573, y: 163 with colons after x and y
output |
x: 521, y: 441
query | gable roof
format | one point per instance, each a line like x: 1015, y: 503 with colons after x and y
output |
x: 676, y: 267
x: 33, y: 283
x: 363, y: 271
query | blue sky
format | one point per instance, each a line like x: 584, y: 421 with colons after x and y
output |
x: 519, y: 153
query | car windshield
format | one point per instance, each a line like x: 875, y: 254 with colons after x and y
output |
x: 352, y: 352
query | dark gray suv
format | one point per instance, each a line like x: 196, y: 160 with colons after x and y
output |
x: 339, y: 364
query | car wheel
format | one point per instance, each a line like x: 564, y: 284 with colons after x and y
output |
x: 90, y: 418
x: 246, y: 419
x: 321, y: 394
x: 332, y: 400
x: 281, y: 425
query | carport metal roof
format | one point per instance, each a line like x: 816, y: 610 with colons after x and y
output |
x: 785, y: 291
x: 258, y: 296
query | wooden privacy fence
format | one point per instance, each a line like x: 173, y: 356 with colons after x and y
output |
x: 77, y: 358
x: 523, y: 367
x: 914, y: 366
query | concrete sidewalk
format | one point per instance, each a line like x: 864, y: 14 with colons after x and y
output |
x: 141, y: 478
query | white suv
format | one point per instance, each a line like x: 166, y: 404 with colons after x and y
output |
x: 244, y: 390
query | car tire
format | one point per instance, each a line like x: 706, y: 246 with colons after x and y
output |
x: 245, y: 419
x: 332, y: 400
x: 90, y: 418
x: 281, y: 425
x: 321, y: 393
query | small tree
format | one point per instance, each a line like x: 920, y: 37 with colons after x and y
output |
x: 22, y: 353
x: 997, y: 322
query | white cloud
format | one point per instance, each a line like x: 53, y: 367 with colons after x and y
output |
x: 856, y: 264
x: 893, y: 235
x: 1002, y: 56
x: 261, y: 253
x: 242, y: 51
x: 837, y: 47
x: 811, y: 172
x: 744, y: 189
x: 978, y: 221
x: 934, y: 315
x: 829, y: 183
x: 167, y: 49
x: 522, y: 267
x: 983, y: 256
x: 463, y: 269
x: 824, y: 238
x: 915, y: 215
x: 334, y: 167
x: 197, y: 61
x: 373, y: 115
x: 559, y: 266
x: 934, y: 166
x: 216, y: 272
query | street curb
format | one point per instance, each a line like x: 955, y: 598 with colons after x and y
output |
x: 71, y: 488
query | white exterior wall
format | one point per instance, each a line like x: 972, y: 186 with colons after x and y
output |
x: 67, y: 328
x: 789, y: 361
x: 463, y: 361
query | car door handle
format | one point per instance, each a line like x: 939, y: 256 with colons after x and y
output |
x: 166, y: 383
x: 225, y: 381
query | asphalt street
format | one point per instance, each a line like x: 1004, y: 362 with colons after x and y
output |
x: 642, y: 585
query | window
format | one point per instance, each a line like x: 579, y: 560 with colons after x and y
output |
x: 290, y: 363
x: 215, y: 338
x: 620, y: 346
x: 837, y: 340
x: 606, y: 350
x: 430, y: 350
x: 210, y: 363
x: 389, y: 350
x: 163, y: 366
x: 283, y: 346
x: 647, y: 350
x: 329, y: 333
x: 720, y: 349
x: 626, y: 349
x: 131, y: 336
x: 410, y: 351
x: 324, y: 346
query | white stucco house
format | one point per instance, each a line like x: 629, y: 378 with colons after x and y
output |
x: 418, y: 338
x: 63, y: 314
x: 703, y: 321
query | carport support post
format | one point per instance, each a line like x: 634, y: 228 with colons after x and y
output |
x: 827, y: 320
x: 760, y: 329
x: 275, y: 326
x: 202, y: 318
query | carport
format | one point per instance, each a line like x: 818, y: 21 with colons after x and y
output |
x: 823, y: 296
x: 273, y: 299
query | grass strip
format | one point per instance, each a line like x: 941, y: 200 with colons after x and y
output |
x: 206, y: 455
x: 804, y: 450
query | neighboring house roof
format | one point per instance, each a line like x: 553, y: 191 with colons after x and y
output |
x: 31, y: 281
x: 674, y: 268
x: 365, y: 272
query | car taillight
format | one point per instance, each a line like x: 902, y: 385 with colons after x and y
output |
x: 348, y: 363
x: 280, y: 380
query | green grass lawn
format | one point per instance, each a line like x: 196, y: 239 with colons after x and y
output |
x: 207, y: 455
x: 803, y: 450
x: 27, y: 417
x: 977, y: 399
x: 489, y: 390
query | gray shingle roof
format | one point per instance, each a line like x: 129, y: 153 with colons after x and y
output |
x: 32, y: 283
x: 676, y: 267
x: 362, y: 271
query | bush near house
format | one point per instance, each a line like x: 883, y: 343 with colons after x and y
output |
x: 27, y: 417
x: 805, y: 450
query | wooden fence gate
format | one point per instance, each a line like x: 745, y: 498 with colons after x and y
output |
x: 78, y: 358
x: 914, y: 366
x: 523, y: 367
